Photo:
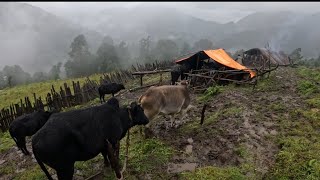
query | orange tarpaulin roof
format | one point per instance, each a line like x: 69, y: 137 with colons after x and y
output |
x: 222, y: 57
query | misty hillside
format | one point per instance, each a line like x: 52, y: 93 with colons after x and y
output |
x: 36, y: 39
x: 283, y: 30
x: 133, y: 24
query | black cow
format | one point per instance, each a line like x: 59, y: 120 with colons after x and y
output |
x: 179, y: 70
x: 80, y: 135
x: 27, y: 125
x: 109, y: 88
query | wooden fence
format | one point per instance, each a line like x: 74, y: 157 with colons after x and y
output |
x: 68, y: 96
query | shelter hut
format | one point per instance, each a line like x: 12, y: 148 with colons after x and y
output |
x: 262, y: 58
x: 222, y: 67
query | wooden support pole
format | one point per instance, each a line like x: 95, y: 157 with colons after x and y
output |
x: 141, y: 83
x: 202, y: 113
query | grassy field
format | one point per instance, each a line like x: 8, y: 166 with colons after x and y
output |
x: 271, y: 132
x: 13, y: 95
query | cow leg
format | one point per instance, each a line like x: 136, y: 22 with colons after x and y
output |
x: 117, y: 151
x: 112, y: 94
x: 24, y: 146
x: 185, y: 111
x: 103, y: 98
x: 113, y: 160
x: 171, y: 121
x: 21, y: 144
x: 105, y: 157
x: 182, y: 76
x: 65, y: 172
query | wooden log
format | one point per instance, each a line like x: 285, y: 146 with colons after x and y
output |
x: 150, y: 72
x: 141, y: 87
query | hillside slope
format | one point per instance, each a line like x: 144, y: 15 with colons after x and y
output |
x: 270, y: 132
x: 36, y: 39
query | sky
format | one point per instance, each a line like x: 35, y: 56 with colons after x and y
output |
x: 222, y: 12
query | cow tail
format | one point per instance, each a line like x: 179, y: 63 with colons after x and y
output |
x: 44, y: 169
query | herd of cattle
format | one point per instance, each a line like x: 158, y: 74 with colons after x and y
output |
x: 62, y: 138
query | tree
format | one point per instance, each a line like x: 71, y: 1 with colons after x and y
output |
x: 107, y: 58
x: 123, y: 53
x: 55, y: 71
x: 16, y: 75
x: 185, y: 49
x: 166, y: 49
x: 79, y: 46
x: 145, y: 49
x: 296, y: 56
x: 39, y: 76
x: 79, y: 63
x: 202, y: 44
x: 107, y: 40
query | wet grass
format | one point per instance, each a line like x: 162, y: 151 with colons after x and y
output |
x: 6, y: 142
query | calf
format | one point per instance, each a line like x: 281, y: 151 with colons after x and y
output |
x: 168, y: 99
x: 80, y: 135
x: 109, y: 88
x: 27, y: 125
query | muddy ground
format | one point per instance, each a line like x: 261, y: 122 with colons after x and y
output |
x: 238, y: 118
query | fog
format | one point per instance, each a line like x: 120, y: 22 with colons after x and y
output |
x: 221, y: 12
x: 37, y: 35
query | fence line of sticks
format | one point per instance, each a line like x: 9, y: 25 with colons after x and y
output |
x: 64, y: 98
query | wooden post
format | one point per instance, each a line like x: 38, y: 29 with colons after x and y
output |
x: 141, y: 80
x: 202, y: 113
x: 160, y: 82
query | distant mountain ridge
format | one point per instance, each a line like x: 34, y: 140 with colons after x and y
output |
x: 37, y: 39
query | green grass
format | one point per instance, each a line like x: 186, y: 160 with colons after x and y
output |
x: 211, y: 172
x: 13, y: 95
x: 6, y: 142
x: 309, y: 73
x: 314, y: 102
x: 33, y: 173
x: 299, y: 143
x: 147, y: 155
x: 306, y: 87
x: 210, y: 92
x: 268, y: 84
x: 8, y: 169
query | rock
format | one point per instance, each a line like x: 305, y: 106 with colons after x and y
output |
x: 190, y: 140
x: 78, y: 172
x: 20, y: 170
x: 273, y: 132
x: 2, y: 161
x: 177, y: 168
x: 189, y: 149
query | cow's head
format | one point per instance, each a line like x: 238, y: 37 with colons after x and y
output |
x: 137, y: 114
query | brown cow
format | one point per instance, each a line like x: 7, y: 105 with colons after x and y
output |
x: 167, y: 99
